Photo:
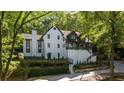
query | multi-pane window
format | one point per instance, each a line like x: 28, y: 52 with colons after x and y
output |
x: 58, y: 37
x: 58, y: 45
x: 39, y: 46
x: 28, y: 45
x: 48, y: 45
x: 48, y: 36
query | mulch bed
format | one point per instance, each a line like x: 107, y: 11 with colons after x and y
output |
x: 90, y: 69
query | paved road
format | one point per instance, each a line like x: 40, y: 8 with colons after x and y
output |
x: 119, y: 67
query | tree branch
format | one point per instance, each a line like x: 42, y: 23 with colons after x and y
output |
x: 17, y: 21
x: 102, y: 18
x: 36, y: 17
x: 12, y: 48
x: 22, y: 23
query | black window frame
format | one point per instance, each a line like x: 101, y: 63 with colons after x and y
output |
x: 58, y: 45
x: 39, y: 46
x: 58, y: 37
x: 48, y: 36
x: 28, y: 41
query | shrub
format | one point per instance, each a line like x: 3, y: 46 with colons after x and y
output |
x: 47, y: 71
x: 20, y: 71
x: 45, y: 63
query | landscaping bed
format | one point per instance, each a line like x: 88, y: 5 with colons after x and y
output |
x: 46, y: 67
x: 45, y: 63
x: 47, y: 71
x: 89, y: 67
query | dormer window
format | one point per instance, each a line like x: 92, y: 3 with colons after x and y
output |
x: 48, y: 36
x: 73, y: 37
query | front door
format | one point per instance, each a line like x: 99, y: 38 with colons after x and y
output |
x: 58, y: 55
x: 49, y: 55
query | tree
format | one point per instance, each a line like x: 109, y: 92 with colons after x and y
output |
x: 22, y: 18
x: 113, y: 25
x: 1, y: 28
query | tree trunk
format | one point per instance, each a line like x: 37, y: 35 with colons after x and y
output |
x: 1, y: 23
x: 113, y: 40
x: 3, y: 78
x: 15, y: 31
x: 112, y: 67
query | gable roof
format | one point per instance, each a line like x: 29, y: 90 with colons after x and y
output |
x: 50, y: 29
x: 66, y: 33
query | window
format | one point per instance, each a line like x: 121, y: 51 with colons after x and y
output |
x: 27, y: 45
x: 48, y: 36
x: 58, y: 37
x: 39, y: 46
x: 58, y: 45
x: 48, y: 45
x: 73, y: 37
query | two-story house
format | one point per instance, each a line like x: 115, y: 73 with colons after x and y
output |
x: 50, y: 45
x: 56, y: 44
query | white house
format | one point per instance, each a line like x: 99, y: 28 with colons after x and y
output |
x: 51, y: 45
x: 55, y: 44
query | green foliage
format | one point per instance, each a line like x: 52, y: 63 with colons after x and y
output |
x: 85, y: 66
x: 45, y: 63
x: 20, y: 71
x: 46, y: 67
x: 96, y: 25
x: 47, y: 71
x: 13, y: 65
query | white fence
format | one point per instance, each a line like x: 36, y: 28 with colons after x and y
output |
x: 80, y: 56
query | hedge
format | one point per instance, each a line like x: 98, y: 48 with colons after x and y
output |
x: 47, y: 71
x: 45, y: 63
x: 20, y: 71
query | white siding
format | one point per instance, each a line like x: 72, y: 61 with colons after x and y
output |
x: 54, y: 50
x: 33, y: 44
x: 79, y: 56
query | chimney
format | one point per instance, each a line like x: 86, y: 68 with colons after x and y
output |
x: 34, y: 42
x: 34, y: 32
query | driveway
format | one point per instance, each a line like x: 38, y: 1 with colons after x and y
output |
x: 119, y: 67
